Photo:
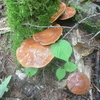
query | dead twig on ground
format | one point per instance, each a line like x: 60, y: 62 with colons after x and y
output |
x: 37, y: 26
x: 97, y: 69
x: 81, y: 21
x: 96, y: 88
x: 95, y: 35
x: 90, y: 40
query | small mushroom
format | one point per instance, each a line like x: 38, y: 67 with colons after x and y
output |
x: 78, y: 83
x: 62, y: 7
x: 68, y: 13
x: 48, y: 36
x: 33, y: 54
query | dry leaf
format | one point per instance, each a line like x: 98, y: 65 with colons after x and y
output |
x: 83, y: 50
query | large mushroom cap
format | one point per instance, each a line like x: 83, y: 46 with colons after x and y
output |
x: 62, y: 7
x: 78, y: 83
x: 48, y: 36
x: 33, y: 54
x: 68, y: 13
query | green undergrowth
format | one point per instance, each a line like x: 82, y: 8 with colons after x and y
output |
x: 89, y: 25
x: 36, y: 12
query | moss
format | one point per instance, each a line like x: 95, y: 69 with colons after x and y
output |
x: 36, y: 12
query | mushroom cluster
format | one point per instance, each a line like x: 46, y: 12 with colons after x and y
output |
x: 35, y: 51
x: 63, y: 13
x: 33, y: 54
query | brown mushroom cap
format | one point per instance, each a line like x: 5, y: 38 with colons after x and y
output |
x: 68, y: 13
x: 62, y: 7
x: 48, y: 36
x: 33, y: 54
x: 78, y: 83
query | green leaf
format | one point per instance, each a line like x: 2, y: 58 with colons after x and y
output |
x: 60, y: 73
x: 31, y: 71
x: 3, y: 86
x: 70, y: 67
x: 62, y: 50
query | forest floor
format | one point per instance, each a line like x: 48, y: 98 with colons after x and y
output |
x: 44, y: 85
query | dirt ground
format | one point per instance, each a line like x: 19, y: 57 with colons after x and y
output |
x: 42, y: 86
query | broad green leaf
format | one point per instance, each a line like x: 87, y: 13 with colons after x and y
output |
x: 60, y: 73
x: 31, y: 71
x: 3, y: 86
x: 70, y: 67
x: 62, y: 50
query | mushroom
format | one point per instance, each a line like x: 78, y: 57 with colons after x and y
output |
x: 78, y: 83
x: 62, y: 7
x: 48, y: 36
x: 33, y: 54
x: 68, y: 13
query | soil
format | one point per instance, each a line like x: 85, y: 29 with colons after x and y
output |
x: 42, y: 86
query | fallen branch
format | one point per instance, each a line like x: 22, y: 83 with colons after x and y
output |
x: 80, y: 23
x: 71, y: 28
x: 94, y: 36
x: 28, y: 24
x: 96, y: 80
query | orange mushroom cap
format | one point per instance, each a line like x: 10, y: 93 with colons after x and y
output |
x: 33, y: 54
x: 62, y: 7
x: 68, y: 13
x: 78, y: 83
x: 48, y: 36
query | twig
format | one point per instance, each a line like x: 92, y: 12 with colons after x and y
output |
x: 94, y: 36
x: 28, y: 24
x: 96, y: 88
x: 88, y: 35
x: 97, y: 69
x: 79, y: 23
